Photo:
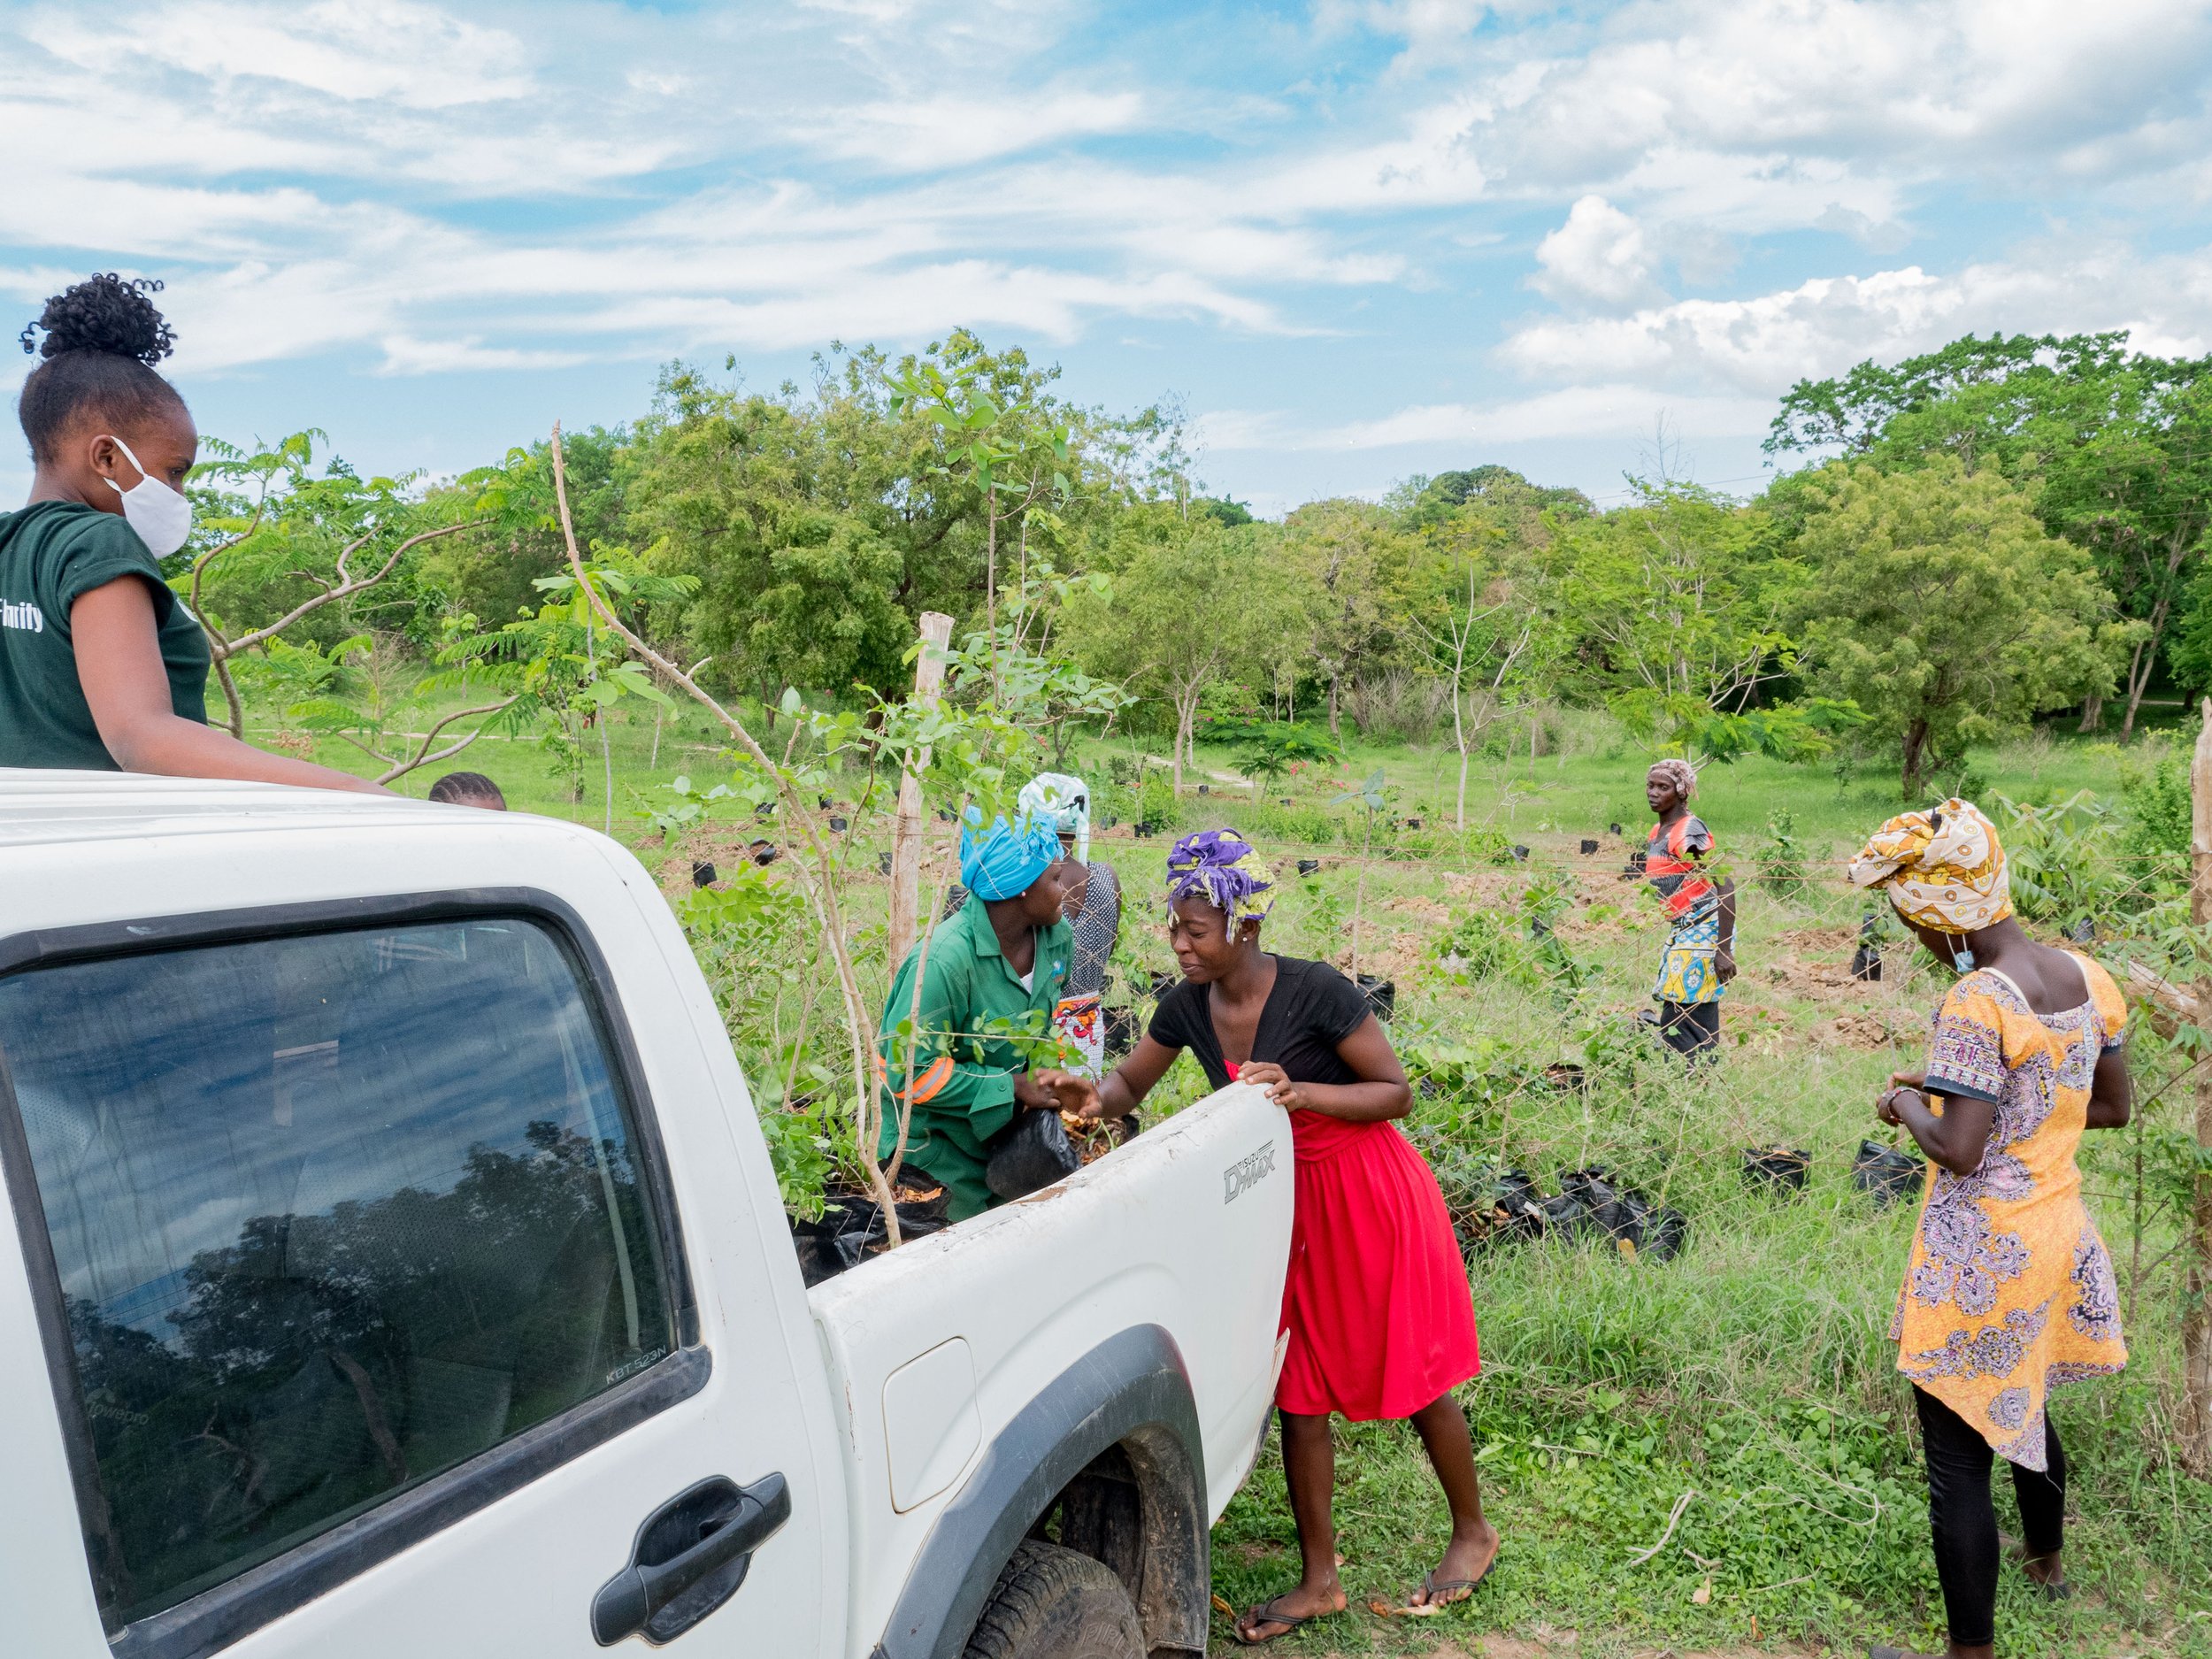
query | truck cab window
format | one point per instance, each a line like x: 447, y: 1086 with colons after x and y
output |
x: 331, y: 1213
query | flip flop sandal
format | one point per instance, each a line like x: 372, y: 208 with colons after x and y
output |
x: 1892, y: 1653
x: 1265, y: 1613
x: 1434, y: 1587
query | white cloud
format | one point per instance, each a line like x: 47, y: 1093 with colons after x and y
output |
x: 405, y: 355
x: 1763, y: 344
x: 2008, y: 85
x: 1578, y: 412
x: 948, y: 131
x: 1600, y: 257
x: 394, y: 52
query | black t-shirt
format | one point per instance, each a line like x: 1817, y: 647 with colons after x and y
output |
x: 1311, y: 1009
x: 52, y: 554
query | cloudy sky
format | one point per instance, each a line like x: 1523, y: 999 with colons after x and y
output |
x: 1355, y: 240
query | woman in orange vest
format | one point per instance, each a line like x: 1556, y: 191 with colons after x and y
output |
x: 1701, y: 956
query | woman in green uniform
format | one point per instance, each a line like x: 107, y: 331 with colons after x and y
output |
x: 1000, y: 962
x: 101, y: 667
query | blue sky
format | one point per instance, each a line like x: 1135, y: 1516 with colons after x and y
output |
x: 1355, y: 240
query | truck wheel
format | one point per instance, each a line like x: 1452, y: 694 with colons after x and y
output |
x: 1052, y: 1604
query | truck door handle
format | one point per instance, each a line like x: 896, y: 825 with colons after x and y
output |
x: 690, y: 1556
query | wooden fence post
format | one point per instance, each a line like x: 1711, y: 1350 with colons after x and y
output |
x: 2196, y: 1329
x: 906, y: 828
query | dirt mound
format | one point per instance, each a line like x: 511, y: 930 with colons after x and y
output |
x: 1862, y: 1030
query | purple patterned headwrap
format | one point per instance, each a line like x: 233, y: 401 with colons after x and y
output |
x: 1219, y: 866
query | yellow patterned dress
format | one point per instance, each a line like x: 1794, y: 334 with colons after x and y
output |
x: 2011, y: 1291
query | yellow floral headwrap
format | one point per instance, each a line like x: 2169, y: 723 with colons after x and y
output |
x: 1943, y: 869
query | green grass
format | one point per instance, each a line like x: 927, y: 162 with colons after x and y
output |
x: 1753, y: 1370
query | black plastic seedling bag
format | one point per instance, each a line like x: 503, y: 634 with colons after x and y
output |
x: 849, y: 1228
x: 1382, y: 995
x: 1887, y: 1173
x: 1520, y: 1205
x: 1777, y: 1168
x: 1029, y: 1155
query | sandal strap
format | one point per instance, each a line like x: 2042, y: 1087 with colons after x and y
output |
x: 1266, y: 1613
x: 1433, y: 1584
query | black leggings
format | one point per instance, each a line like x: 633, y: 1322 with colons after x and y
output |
x: 1964, y: 1520
x: 1690, y: 1028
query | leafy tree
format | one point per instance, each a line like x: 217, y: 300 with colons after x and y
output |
x: 1497, y: 492
x: 1184, y: 611
x: 1353, y: 561
x: 2113, y: 445
x: 1998, y: 399
x: 1012, y: 450
x: 1677, y: 608
x: 1220, y: 510
x: 2138, y: 494
x: 1271, y: 749
x: 277, y: 541
x: 1939, y: 606
x: 489, y: 570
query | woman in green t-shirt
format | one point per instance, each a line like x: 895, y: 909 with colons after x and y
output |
x: 101, y: 665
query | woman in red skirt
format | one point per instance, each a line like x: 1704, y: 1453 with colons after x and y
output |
x: 1376, y: 1303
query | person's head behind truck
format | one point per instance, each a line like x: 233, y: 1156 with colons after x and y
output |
x: 1062, y: 800
x: 1019, y: 863
x: 468, y: 789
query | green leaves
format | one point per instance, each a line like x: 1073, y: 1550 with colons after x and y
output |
x: 1272, y: 748
x: 1801, y: 730
x: 1374, y: 795
x: 1937, y: 605
x: 748, y: 900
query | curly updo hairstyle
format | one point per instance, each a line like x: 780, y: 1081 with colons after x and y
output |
x: 103, y: 338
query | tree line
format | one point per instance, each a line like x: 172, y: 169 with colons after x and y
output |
x: 1964, y: 541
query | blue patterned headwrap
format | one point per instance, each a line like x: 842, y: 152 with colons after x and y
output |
x: 1219, y: 866
x: 1004, y: 861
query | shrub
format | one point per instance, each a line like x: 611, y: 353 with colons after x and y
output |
x: 1781, y: 856
x: 1266, y: 824
x: 1155, y: 801
x: 1486, y: 945
x: 1402, y: 705
x: 2159, y: 824
x: 2061, y: 857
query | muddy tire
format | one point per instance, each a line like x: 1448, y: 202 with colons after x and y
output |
x: 1052, y: 1604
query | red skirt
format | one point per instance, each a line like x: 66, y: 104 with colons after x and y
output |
x: 1377, y: 1303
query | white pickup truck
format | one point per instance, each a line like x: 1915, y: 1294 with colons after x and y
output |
x: 397, y: 1272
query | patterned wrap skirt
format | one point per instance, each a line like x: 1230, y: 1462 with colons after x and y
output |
x: 1685, y: 971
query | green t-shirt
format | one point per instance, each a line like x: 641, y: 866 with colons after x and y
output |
x: 52, y: 554
x: 964, y: 1081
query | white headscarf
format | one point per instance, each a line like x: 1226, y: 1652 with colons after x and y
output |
x: 1062, y: 799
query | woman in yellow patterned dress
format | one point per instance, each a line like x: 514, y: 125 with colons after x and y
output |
x: 2010, y: 1291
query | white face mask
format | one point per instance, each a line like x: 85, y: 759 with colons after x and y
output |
x: 162, y: 517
